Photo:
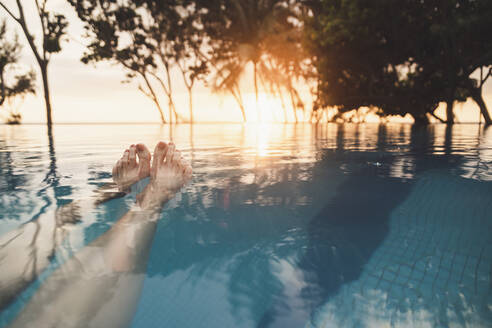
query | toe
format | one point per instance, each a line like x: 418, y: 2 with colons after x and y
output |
x: 143, y: 152
x: 176, y: 160
x: 132, y: 156
x: 125, y: 157
x: 182, y: 165
x: 159, y: 153
x: 188, y: 171
x: 170, y: 154
x: 143, y: 157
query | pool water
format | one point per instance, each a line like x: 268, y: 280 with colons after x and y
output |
x: 281, y: 225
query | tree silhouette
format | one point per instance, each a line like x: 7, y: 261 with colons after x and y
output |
x: 242, y: 32
x: 107, y: 23
x: 456, y: 45
x: 187, y: 44
x: 53, y: 28
x: 21, y: 83
x: 395, y: 57
x: 147, y: 38
x: 401, y: 57
x: 476, y: 92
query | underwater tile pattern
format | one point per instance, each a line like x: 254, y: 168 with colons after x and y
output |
x: 433, y: 270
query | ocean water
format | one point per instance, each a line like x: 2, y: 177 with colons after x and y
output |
x: 281, y: 226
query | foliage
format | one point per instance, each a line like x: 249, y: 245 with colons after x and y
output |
x: 14, y: 82
x: 146, y: 38
x: 264, y: 33
x: 403, y: 57
x: 211, y: 41
x: 396, y: 57
x: 53, y: 28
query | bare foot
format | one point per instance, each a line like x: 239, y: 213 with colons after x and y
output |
x: 127, y: 171
x: 168, y: 174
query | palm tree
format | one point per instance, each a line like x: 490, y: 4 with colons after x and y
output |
x: 243, y: 32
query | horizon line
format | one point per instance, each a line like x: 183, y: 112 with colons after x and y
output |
x: 227, y: 122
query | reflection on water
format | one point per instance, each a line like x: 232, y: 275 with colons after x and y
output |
x: 282, y: 225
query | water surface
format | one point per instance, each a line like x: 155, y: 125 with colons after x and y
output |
x: 282, y: 225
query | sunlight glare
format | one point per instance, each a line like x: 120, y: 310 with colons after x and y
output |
x: 263, y: 132
x: 269, y: 108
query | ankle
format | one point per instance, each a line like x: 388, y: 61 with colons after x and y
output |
x: 152, y: 199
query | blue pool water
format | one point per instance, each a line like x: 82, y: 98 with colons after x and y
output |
x: 281, y: 225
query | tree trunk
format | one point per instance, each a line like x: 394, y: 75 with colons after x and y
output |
x: 449, y: 111
x: 256, y: 92
x: 170, y: 114
x: 153, y: 96
x: 42, y: 61
x: 243, y: 111
x: 237, y: 97
x: 163, y: 119
x: 2, y: 91
x: 189, y: 87
x: 477, y: 97
x: 284, y: 108
x: 44, y: 74
x: 177, y: 117
x: 241, y: 107
x: 172, y: 108
x: 294, y: 105
x: 190, y: 103
x: 171, y: 105
x: 420, y: 119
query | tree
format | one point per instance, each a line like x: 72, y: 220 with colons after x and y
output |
x: 107, y: 23
x: 242, y: 32
x: 53, y: 28
x: 199, y: 39
x: 353, y: 50
x: 476, y: 92
x: 142, y: 37
x: 287, y: 62
x: 21, y: 83
x: 458, y: 44
x: 402, y: 57
x: 188, y: 42
x: 476, y: 54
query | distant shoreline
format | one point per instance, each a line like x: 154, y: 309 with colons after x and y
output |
x: 229, y: 123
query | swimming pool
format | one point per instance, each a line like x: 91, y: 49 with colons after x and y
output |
x: 281, y: 226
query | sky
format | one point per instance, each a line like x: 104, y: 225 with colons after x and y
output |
x: 94, y: 93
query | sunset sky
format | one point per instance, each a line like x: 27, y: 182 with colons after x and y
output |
x: 88, y: 93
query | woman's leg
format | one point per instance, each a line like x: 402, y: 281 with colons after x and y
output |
x: 26, y: 251
x: 100, y: 285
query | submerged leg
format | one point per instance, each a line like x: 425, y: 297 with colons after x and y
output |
x: 101, y: 284
x: 26, y: 251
